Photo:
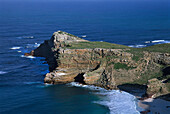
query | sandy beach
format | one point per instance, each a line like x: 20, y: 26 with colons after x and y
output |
x: 155, y: 106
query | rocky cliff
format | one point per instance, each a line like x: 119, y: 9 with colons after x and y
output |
x: 103, y: 64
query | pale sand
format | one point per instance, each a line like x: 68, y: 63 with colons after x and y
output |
x: 155, y: 105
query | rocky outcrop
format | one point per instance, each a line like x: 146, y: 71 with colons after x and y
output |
x: 157, y: 87
x: 107, y: 68
x: 162, y: 58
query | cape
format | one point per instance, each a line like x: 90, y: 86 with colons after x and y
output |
x: 107, y: 65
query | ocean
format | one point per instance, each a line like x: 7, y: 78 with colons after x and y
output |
x: 25, y: 25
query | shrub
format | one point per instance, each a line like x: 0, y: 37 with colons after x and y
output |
x: 122, y: 66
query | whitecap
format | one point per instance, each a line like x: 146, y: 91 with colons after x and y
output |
x: 36, y: 45
x: 83, y: 36
x: 26, y: 37
x: 2, y: 72
x: 147, y: 42
x: 137, y: 46
x: 46, y: 84
x: 118, y: 102
x: 30, y: 57
x: 76, y: 84
x: 160, y: 41
x: 91, y: 87
x: 157, y: 41
x: 32, y: 45
x: 15, y: 48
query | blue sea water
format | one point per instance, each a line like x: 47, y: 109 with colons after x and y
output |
x: 24, y: 25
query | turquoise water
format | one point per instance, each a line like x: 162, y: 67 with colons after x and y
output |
x: 24, y: 25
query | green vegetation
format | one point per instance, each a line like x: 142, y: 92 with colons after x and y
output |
x: 137, y: 52
x: 122, y: 66
x: 111, y: 63
x: 163, y: 48
x: 71, y: 35
x: 145, y: 77
x: 136, y: 58
x: 61, y: 32
x: 92, y: 45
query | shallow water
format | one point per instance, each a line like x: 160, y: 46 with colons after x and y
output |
x: 25, y: 25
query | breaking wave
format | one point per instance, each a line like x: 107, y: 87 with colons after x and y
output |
x: 118, y: 102
x: 15, y: 48
x: 149, y: 43
x: 30, y: 57
x: 32, y: 45
x: 137, y: 46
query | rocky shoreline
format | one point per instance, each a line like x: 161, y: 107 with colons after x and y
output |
x: 111, y: 66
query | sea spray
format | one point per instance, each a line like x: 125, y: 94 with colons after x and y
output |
x: 118, y: 102
x: 13, y: 48
x: 29, y: 57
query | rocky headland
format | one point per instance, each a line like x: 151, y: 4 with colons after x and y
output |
x: 107, y: 65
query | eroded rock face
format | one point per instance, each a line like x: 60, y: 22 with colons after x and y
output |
x: 106, y: 68
x: 162, y: 58
x: 157, y: 88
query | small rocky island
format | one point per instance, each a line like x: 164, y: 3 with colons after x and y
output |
x: 107, y: 65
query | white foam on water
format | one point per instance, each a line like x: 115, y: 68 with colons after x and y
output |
x: 19, y: 51
x: 156, y: 41
x: 147, y: 42
x: 2, y: 72
x: 32, y: 45
x: 119, y: 102
x: 30, y: 57
x: 26, y: 37
x: 137, y: 46
x: 83, y: 36
x: 44, y: 85
x: 36, y: 45
x: 160, y: 41
x: 15, y: 48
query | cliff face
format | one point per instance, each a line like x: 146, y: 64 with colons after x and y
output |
x: 70, y: 59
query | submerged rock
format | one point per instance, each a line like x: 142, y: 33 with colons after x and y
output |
x: 103, y: 64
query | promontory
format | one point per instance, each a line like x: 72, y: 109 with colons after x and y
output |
x: 107, y: 65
